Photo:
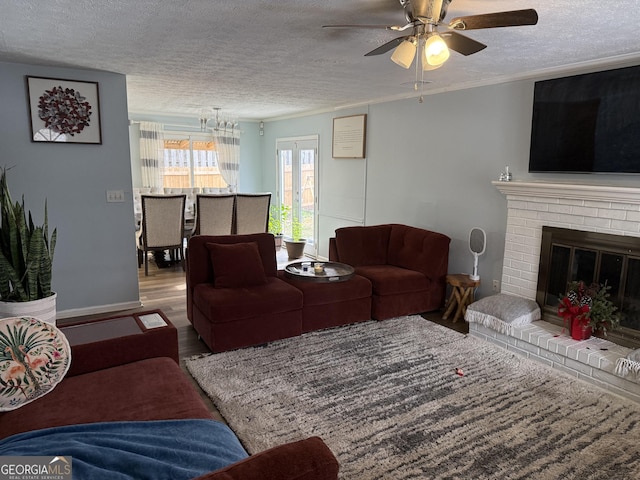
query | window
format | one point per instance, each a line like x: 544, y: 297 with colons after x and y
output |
x: 191, y: 162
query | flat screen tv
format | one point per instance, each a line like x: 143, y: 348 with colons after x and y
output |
x: 587, y: 123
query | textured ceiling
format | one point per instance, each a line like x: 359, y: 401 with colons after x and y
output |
x: 260, y: 59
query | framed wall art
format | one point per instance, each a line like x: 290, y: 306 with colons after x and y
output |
x: 349, y: 136
x: 64, y: 110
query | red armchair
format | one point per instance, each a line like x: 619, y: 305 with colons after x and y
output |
x: 234, y: 296
x: 407, y: 266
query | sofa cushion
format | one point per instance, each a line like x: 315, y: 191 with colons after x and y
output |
x: 236, y: 265
x: 321, y: 293
x: 222, y: 305
x: 363, y: 245
x: 161, y: 391
x: 391, y: 280
x: 419, y: 249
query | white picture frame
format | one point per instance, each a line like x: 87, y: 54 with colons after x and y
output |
x: 64, y: 111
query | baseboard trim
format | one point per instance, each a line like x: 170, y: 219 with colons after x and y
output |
x: 114, y: 307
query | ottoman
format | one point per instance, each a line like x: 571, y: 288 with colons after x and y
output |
x: 328, y: 305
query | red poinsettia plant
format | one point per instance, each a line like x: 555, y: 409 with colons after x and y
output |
x: 586, y: 308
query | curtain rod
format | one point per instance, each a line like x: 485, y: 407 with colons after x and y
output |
x: 208, y: 130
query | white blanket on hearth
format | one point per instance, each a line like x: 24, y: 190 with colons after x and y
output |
x: 502, y: 312
x: 629, y: 365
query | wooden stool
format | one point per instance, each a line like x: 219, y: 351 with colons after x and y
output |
x: 462, y: 295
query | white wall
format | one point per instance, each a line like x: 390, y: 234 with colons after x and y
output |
x: 94, y: 267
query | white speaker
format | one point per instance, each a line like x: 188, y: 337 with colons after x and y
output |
x: 477, y: 246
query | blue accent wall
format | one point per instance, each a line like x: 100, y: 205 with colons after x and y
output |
x: 94, y: 266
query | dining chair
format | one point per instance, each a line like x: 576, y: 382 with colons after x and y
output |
x: 252, y: 213
x: 214, y: 214
x: 162, y: 227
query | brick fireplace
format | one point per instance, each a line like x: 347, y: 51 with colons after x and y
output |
x: 594, y: 208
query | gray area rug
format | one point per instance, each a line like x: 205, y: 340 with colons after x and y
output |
x: 385, y: 397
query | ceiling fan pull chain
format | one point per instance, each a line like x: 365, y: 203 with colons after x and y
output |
x: 419, y: 62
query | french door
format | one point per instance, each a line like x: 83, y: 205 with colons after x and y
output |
x: 297, y: 185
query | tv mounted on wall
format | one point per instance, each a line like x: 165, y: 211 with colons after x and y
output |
x: 587, y: 123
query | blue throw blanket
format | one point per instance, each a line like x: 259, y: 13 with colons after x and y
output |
x: 154, y: 450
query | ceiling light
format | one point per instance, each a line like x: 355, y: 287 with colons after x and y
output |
x: 404, y: 53
x: 436, y: 51
x: 426, y: 66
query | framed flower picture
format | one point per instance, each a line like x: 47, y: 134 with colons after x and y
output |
x: 64, y: 110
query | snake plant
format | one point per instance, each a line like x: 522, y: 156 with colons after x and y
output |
x: 26, y: 251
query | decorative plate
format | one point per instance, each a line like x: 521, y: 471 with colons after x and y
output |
x: 34, y: 358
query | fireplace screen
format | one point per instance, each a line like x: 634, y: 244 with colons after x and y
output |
x: 569, y: 255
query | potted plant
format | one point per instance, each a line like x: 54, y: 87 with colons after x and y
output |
x: 26, y: 257
x: 296, y: 243
x: 277, y: 216
x: 587, y: 309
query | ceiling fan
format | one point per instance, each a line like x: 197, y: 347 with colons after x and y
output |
x: 424, y: 17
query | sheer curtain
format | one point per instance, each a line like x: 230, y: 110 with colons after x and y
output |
x: 151, y: 154
x: 228, y: 147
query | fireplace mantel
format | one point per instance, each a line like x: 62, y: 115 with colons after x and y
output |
x: 570, y: 191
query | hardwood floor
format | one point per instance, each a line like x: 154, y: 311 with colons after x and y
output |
x: 165, y: 289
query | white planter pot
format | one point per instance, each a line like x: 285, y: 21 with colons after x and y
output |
x: 43, y: 309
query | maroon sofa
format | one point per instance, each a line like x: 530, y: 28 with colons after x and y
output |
x: 242, y: 302
x: 147, y: 388
x: 236, y: 297
x: 407, y: 266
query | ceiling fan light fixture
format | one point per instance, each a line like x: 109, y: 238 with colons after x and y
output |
x: 436, y: 51
x: 427, y: 67
x: 404, y: 53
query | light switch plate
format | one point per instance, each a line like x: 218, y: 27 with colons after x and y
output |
x: 115, y: 196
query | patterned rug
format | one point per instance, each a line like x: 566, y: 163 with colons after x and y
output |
x: 388, y: 400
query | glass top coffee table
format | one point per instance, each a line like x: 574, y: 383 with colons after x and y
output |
x: 331, y: 271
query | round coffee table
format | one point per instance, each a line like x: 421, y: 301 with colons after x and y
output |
x: 333, y: 272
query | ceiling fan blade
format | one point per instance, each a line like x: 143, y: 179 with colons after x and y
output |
x: 386, y: 27
x: 513, y: 18
x: 384, y: 48
x: 461, y: 44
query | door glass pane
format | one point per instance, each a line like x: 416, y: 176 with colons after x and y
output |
x: 307, y: 194
x: 297, y: 177
x: 286, y: 181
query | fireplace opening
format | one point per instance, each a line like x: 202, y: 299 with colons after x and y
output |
x: 567, y: 255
